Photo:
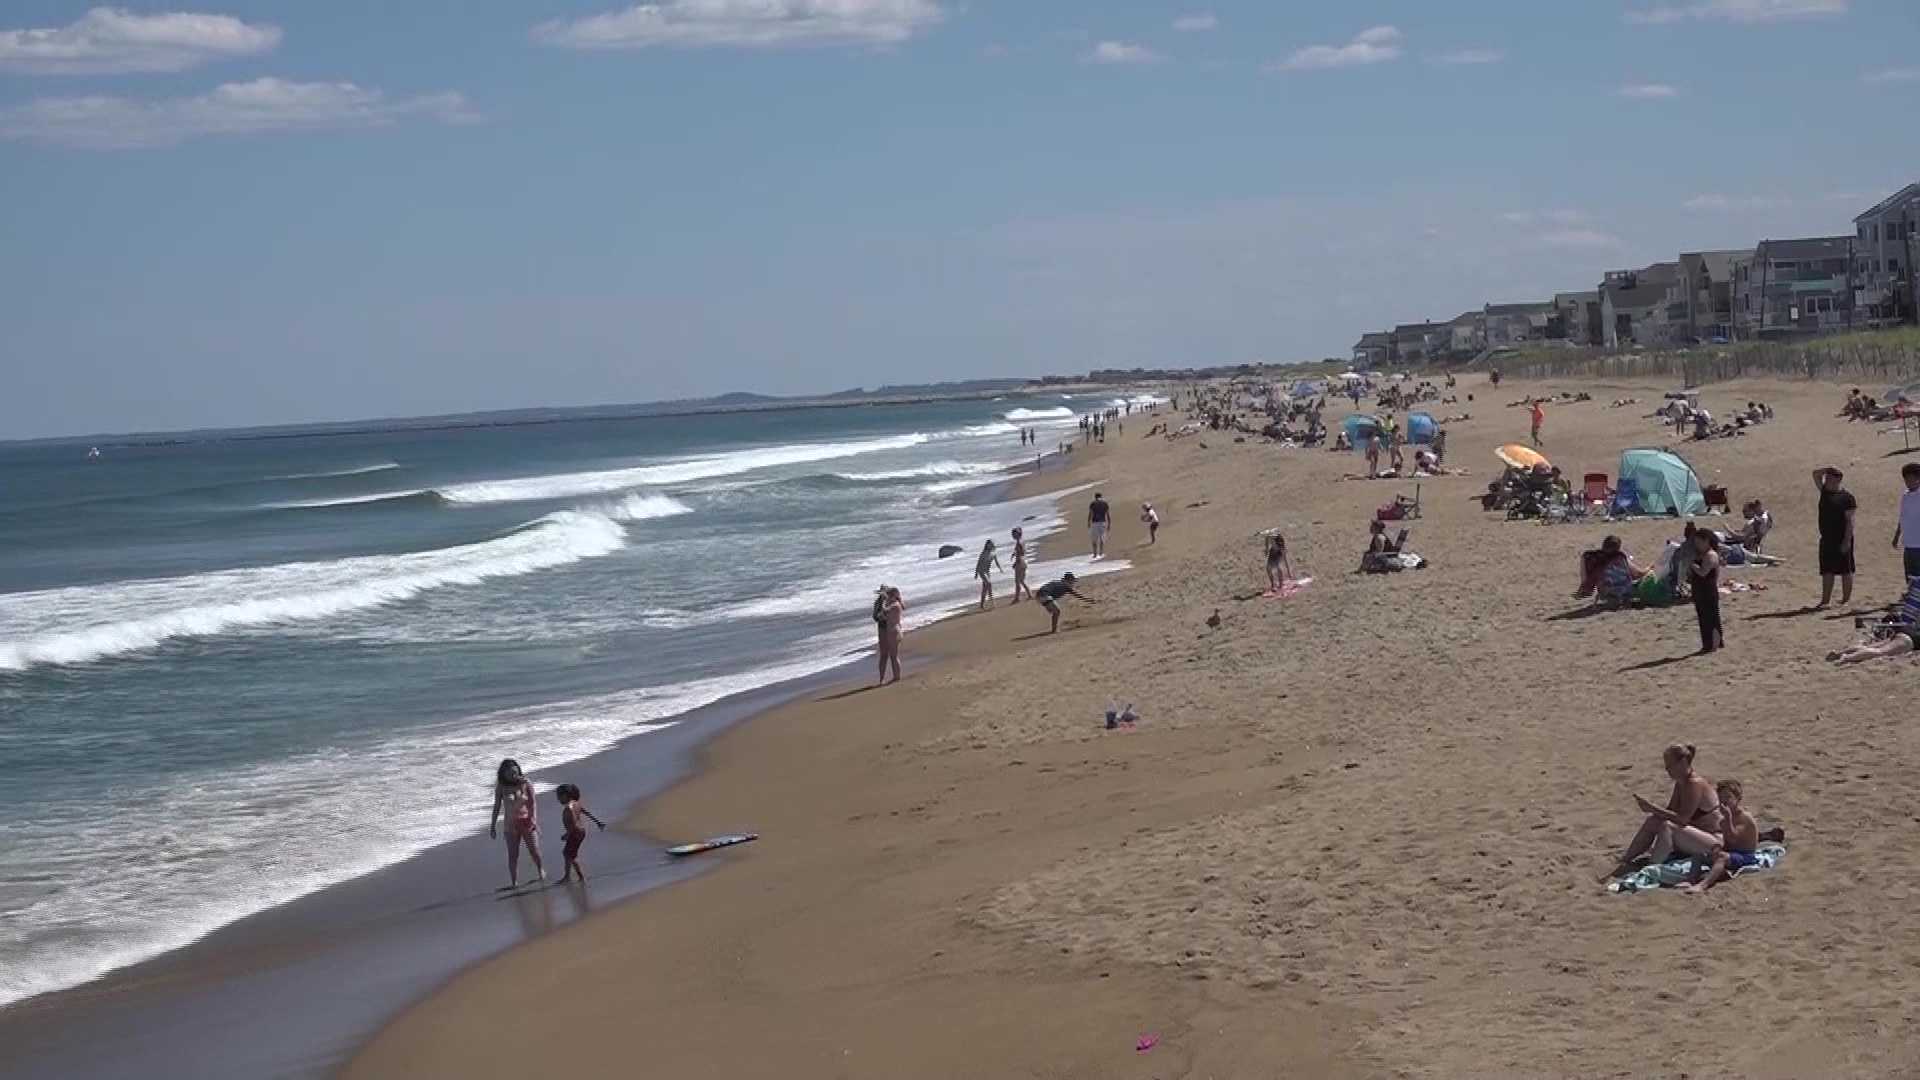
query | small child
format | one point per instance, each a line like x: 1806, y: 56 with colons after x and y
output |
x: 571, y: 813
x: 1152, y: 517
x: 1739, y: 836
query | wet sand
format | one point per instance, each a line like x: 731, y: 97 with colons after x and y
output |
x: 1355, y: 834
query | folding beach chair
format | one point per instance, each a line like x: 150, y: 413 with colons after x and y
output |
x: 1597, y: 489
x: 1626, y: 497
x: 1897, y: 620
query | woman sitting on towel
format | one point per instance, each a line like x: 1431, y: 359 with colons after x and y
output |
x: 1689, y: 823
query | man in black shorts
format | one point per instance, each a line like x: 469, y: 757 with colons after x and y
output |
x: 1049, y: 596
x: 1836, y: 535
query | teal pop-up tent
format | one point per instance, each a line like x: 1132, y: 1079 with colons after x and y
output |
x: 1665, y: 482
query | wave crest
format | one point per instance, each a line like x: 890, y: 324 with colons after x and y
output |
x: 80, y: 624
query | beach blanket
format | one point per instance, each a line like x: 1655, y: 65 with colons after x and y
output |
x: 1678, y: 871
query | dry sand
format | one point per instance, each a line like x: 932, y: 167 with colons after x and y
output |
x: 1356, y: 833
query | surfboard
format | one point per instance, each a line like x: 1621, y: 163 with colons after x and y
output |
x: 712, y: 843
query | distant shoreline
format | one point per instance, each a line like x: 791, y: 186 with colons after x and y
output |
x: 512, y: 418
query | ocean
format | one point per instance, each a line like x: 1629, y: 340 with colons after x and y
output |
x: 236, y: 669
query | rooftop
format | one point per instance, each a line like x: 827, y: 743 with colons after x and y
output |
x: 1910, y: 193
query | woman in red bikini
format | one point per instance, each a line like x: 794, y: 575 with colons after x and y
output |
x: 513, y: 793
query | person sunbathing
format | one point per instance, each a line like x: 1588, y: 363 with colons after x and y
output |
x: 1739, y: 839
x: 1899, y: 643
x: 1689, y: 823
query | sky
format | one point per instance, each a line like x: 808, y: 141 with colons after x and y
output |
x: 232, y: 212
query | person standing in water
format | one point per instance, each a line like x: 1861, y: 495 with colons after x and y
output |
x: 1099, y: 520
x: 572, y: 811
x: 888, y: 610
x: 983, y: 569
x: 1019, y: 566
x: 513, y: 793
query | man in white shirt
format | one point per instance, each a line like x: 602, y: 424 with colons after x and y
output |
x: 1909, y: 526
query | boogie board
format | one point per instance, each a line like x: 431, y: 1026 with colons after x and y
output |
x: 711, y: 843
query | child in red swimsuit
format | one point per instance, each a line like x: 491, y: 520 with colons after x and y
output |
x: 571, y: 813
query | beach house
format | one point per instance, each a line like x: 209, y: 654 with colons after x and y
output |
x: 1466, y: 334
x: 1641, y: 307
x: 1706, y: 287
x: 1417, y: 343
x: 1801, y: 286
x: 1885, y: 243
x: 1579, y: 315
x: 1517, y: 324
x: 1373, y: 351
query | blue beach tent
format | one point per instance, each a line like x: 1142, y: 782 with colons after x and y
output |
x: 1421, y: 428
x: 1362, y: 426
x: 1664, y: 482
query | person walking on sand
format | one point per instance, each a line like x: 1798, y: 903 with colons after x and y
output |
x: 1099, y: 520
x: 1909, y: 527
x: 1152, y: 519
x: 1049, y: 596
x: 572, y: 811
x: 1836, y: 534
x: 888, y: 609
x: 1703, y: 577
x: 1539, y: 416
x: 513, y: 793
x: 983, y: 569
x: 1020, y: 566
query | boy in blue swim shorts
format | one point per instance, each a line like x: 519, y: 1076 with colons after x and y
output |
x: 1739, y: 836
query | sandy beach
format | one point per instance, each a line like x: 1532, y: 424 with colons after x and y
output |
x: 1356, y: 832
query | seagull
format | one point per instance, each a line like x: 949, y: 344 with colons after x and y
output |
x: 1213, y: 620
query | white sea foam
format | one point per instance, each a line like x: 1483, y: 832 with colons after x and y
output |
x: 933, y: 468
x: 1018, y: 415
x: 347, y: 500
x: 641, y: 508
x: 83, y: 623
x: 296, y: 825
x: 359, y: 471
x: 570, y: 485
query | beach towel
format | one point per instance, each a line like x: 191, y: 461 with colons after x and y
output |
x: 1678, y: 870
x: 1289, y: 589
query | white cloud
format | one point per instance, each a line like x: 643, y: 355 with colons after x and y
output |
x: 1648, y: 91
x: 1740, y: 11
x: 1892, y: 75
x: 1120, y: 52
x: 1715, y: 202
x: 1374, y: 45
x: 1193, y: 23
x: 108, y: 41
x: 1543, y: 217
x: 263, y: 105
x: 748, y: 24
x: 1580, y: 240
x: 1470, y: 56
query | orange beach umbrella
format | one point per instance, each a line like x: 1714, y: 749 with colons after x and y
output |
x: 1521, y: 457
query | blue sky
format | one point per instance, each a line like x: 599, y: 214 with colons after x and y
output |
x: 245, y: 212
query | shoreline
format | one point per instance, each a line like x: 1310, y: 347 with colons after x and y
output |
x: 1354, y: 834
x: 396, y: 920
